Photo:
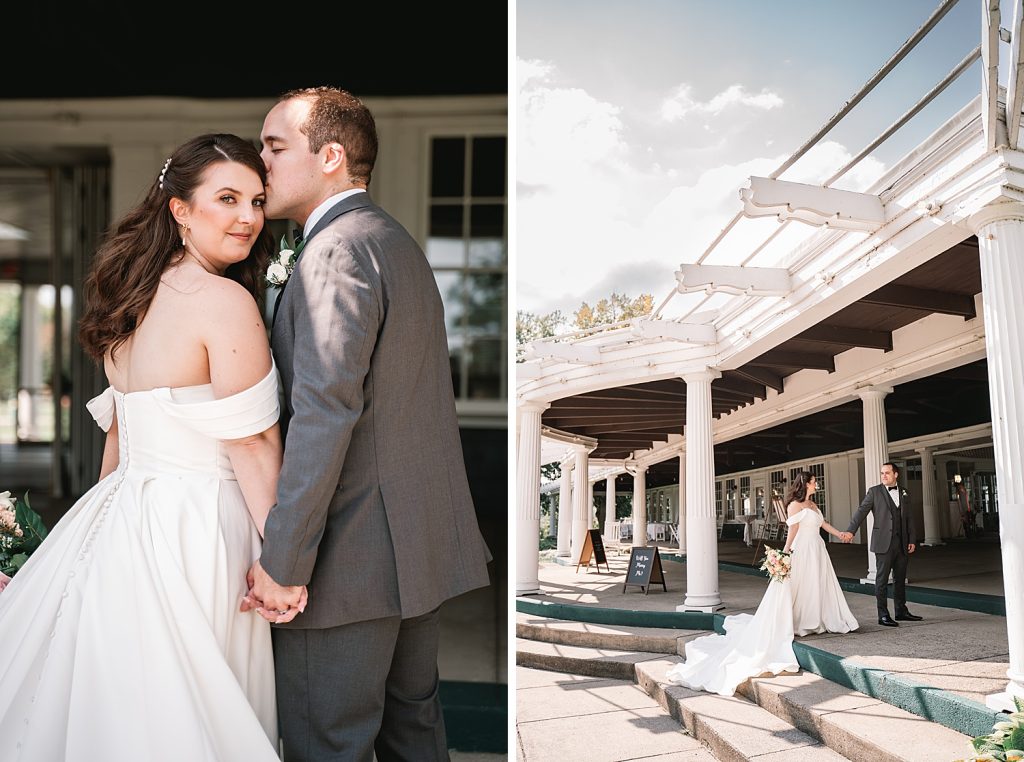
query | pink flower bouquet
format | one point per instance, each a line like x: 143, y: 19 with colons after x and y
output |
x: 777, y: 563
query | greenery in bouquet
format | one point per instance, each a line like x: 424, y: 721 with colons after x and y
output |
x: 1006, y: 741
x: 21, y: 531
x: 776, y: 563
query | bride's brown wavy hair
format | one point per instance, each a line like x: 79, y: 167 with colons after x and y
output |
x: 798, y: 489
x: 134, y: 254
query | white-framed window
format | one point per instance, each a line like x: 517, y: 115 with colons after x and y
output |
x: 746, y: 506
x: 718, y: 502
x: 730, y: 499
x: 467, y: 247
x: 820, y: 497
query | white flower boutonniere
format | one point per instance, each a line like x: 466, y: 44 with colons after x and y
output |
x: 280, y: 268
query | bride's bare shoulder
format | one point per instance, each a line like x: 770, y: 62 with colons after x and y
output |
x: 793, y: 508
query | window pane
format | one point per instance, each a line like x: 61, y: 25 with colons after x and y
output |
x: 447, y: 166
x: 487, y: 231
x: 445, y: 245
x: 489, y: 166
x: 484, y: 297
x: 450, y: 285
x: 485, y: 365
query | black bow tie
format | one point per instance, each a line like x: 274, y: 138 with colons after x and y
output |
x: 894, y: 489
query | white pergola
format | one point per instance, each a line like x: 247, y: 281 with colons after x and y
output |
x: 793, y: 255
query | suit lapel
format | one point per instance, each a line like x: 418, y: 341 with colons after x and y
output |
x: 355, y: 201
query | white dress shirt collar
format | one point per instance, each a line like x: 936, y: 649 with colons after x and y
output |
x: 324, y: 206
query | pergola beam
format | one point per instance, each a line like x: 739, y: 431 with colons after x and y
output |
x: 990, y: 72
x: 922, y: 299
x: 847, y: 336
x: 1015, y: 87
x: 803, y: 360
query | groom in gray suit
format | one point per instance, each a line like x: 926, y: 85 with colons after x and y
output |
x: 374, y: 515
x: 893, y: 539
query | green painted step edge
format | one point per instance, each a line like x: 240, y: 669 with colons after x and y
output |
x: 475, y: 715
x: 955, y: 712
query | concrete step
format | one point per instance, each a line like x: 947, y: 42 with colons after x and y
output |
x: 580, y: 660
x: 855, y: 724
x: 822, y: 719
x: 657, y: 640
x: 733, y: 728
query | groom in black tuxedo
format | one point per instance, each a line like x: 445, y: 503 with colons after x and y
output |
x: 893, y: 539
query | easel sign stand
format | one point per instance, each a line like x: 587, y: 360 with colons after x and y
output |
x: 645, y: 569
x: 593, y: 548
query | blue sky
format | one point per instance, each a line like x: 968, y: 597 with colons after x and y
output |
x: 636, y: 123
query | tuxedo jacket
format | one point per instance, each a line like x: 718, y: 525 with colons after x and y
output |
x: 881, y: 506
x: 373, y: 509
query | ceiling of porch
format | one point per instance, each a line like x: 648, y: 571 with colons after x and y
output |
x: 636, y: 416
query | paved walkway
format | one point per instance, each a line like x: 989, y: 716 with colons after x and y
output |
x: 956, y: 650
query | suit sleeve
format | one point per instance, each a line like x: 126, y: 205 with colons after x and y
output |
x: 862, y: 512
x: 336, y: 316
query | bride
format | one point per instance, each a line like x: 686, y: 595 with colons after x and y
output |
x: 808, y: 600
x: 122, y: 635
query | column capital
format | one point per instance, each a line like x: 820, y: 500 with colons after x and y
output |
x: 874, y: 392
x: 1010, y: 210
x: 578, y: 448
x: 708, y: 374
x: 532, y: 406
x: 924, y: 450
x: 637, y: 468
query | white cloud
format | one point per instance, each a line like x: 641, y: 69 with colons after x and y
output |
x: 681, y: 102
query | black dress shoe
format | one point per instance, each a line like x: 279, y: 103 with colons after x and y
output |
x: 906, y: 616
x: 887, y: 621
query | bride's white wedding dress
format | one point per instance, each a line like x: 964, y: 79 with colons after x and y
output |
x: 809, y: 600
x: 121, y: 638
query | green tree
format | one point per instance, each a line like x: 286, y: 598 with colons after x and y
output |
x: 530, y: 326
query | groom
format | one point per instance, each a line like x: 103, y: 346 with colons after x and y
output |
x: 893, y: 539
x: 374, y: 512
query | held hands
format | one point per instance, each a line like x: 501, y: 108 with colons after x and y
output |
x: 275, y: 603
x: 846, y: 537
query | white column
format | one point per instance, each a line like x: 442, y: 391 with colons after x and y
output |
x: 609, y: 508
x: 702, y: 592
x: 528, y: 499
x: 682, y: 502
x: 565, y: 510
x: 932, y: 527
x: 876, y: 452
x: 580, y: 501
x: 640, y: 507
x: 553, y: 517
x: 591, y: 506
x: 1000, y: 231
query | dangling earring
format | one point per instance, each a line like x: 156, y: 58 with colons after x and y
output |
x: 184, y: 230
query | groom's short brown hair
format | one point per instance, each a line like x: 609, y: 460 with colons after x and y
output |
x: 894, y: 467
x: 337, y: 116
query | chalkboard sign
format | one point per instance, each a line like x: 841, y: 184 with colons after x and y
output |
x: 593, y: 547
x: 645, y: 569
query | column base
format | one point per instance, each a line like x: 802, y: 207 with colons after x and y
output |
x: 708, y: 609
x: 529, y: 591
x: 561, y: 554
x: 1002, y: 702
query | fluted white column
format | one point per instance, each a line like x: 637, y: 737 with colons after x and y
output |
x: 580, y: 501
x: 591, y: 506
x: 565, y: 510
x: 640, y: 507
x: 932, y: 527
x: 876, y: 452
x: 553, y: 517
x: 682, y: 502
x: 528, y: 499
x: 609, y: 508
x: 1000, y: 231
x: 702, y: 591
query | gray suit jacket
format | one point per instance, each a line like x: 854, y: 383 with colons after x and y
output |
x: 878, y: 502
x: 374, y: 512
